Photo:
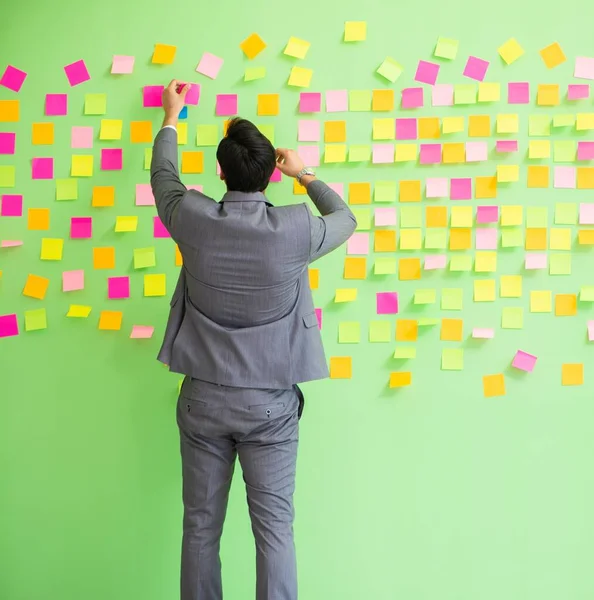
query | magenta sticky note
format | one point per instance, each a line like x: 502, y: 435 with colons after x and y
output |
x: 535, y: 261
x: 524, y: 361
x: 412, y: 97
x: 210, y: 65
x: 578, y: 91
x: 338, y: 188
x: 276, y: 176
x: 193, y: 95
x: 387, y: 303
x: 482, y: 333
x: 198, y: 187
x: 476, y: 68
x: 406, y: 129
x: 118, y: 288
x: 486, y: 238
x: 159, y: 230
x: 111, y: 159
x: 476, y: 151
x: 308, y: 131
x: 385, y: 216
x: 318, y: 312
x: 505, y: 146
x: 591, y: 331
x: 442, y: 94
x: 13, y: 78
x: 487, y: 214
x: 436, y: 187
x: 42, y: 168
x: 226, y: 105
x: 81, y: 137
x: 461, y: 188
x: 584, y: 67
x: 122, y: 64
x: 56, y: 105
x: 565, y: 178
x: 11, y: 205
x: 382, y: 153
x: 310, y: 102
x: 310, y: 155
x: 435, y: 261
x: 427, y: 72
x: 77, y: 72
x: 358, y: 243
x: 9, y: 325
x: 144, y: 195
x: 152, y: 96
x: 430, y: 154
x: 518, y: 92
x: 73, y: 280
x: 81, y: 227
x: 585, y: 151
x: 10, y: 243
x: 586, y: 213
x: 142, y: 332
x: 337, y: 101
x: 7, y: 143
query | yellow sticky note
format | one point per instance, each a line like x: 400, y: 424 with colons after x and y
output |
x: 103, y: 195
x: 452, y: 330
x: 355, y: 268
x: 300, y: 77
x: 485, y: 262
x: 452, y: 124
x: 252, y: 46
x: 335, y: 131
x: 192, y: 162
x: 461, y: 216
x: 81, y: 166
x: 341, y: 367
x: 383, y: 129
x: 547, y: 95
x: 9, y: 111
x: 355, y: 31
x: 268, y: 105
x: 508, y: 173
x: 565, y: 305
x: 335, y: 153
x: 572, y: 374
x: 296, y: 47
x: 104, y: 258
x: 410, y: 191
x: 36, y: 287
x: 584, y: 121
x: 508, y: 123
x: 126, y: 224
x: 484, y: 290
x: 489, y: 91
x: 493, y: 385
x: 410, y: 239
x: 510, y: 286
x: 553, y: 55
x: 541, y: 301
x: 586, y: 237
x: 182, y: 134
x: 155, y: 285
x: 78, y: 311
x: 51, y: 248
x: 42, y: 134
x: 163, y: 54
x: 38, y: 219
x: 400, y: 379
x: 345, y: 295
x: 406, y: 152
x: 111, y: 129
x: 539, y: 149
x: 512, y: 215
x: 560, y: 239
x: 510, y: 51
x: 110, y: 320
x: 409, y: 269
x: 538, y: 176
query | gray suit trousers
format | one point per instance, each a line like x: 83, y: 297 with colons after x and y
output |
x: 216, y: 424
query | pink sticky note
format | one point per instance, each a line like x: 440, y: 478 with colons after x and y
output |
x: 111, y: 159
x: 487, y: 214
x: 518, y: 93
x: 10, y: 243
x: 385, y: 216
x: 11, y: 205
x: 476, y: 151
x: 226, y: 105
x: 56, y: 105
x: 142, y: 332
x: 506, y: 146
x: 535, y: 261
x: 565, y: 177
x: 81, y: 137
x: 152, y: 96
x: 197, y: 187
x: 310, y: 102
x: 122, y: 64
x: 81, y: 227
x: 358, y: 243
x: 406, y: 129
x: 276, y: 176
x: 309, y: 131
x: 319, y: 316
x: 461, y: 188
x: 586, y: 213
x: 144, y: 195
x: 13, y: 78
x: 436, y: 187
x: 486, y: 238
x: 591, y: 331
x: 412, y: 97
x: 476, y: 68
x: 483, y: 334
x: 442, y: 94
x: 42, y: 168
x: 310, y: 155
x: 9, y: 325
x: 435, y: 261
x: 73, y: 280
x: 524, y: 361
x: 337, y: 101
x: 77, y: 72
x: 430, y: 154
x: 193, y: 95
x: 383, y: 153
x: 578, y: 91
x: 210, y: 65
x: 387, y: 303
x: 7, y: 143
x: 585, y: 151
x: 584, y: 67
x: 427, y: 72
x: 118, y: 288
x: 338, y: 188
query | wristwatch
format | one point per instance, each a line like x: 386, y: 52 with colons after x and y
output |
x: 304, y: 171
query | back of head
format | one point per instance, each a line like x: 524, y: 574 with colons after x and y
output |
x: 246, y: 157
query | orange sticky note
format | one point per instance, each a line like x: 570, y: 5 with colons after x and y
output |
x: 268, y: 105
x: 536, y: 238
x: 141, y: 132
x: 407, y: 330
x: 436, y: 216
x: 335, y: 131
x: 163, y: 54
x: 382, y: 100
x: 538, y: 176
x: 428, y: 128
x: 565, y: 305
x: 341, y: 367
x: 572, y: 374
x: 9, y: 111
x: 42, y: 134
x: 451, y: 330
x: 252, y: 46
x: 38, y: 219
x: 553, y: 55
x: 314, y: 279
x: 453, y: 153
x: 179, y: 261
x: 479, y: 126
x: 494, y: 385
x: 409, y: 269
x: 585, y: 178
x: 359, y: 193
x: 103, y: 195
x: 192, y: 162
x: 586, y: 237
x: 385, y: 241
x: 104, y: 258
x: 400, y: 379
x: 298, y: 189
x: 410, y: 191
x: 355, y: 267
x: 485, y: 187
x: 547, y: 95
x: 36, y: 287
x: 110, y: 320
x: 460, y: 238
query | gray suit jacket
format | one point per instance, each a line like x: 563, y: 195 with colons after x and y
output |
x: 242, y: 313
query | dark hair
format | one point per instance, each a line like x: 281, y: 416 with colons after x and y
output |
x: 246, y: 157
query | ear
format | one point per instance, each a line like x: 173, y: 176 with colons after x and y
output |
x: 222, y: 176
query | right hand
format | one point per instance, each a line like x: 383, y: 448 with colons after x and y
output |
x: 288, y: 162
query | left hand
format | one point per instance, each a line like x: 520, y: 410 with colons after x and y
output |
x: 172, y: 101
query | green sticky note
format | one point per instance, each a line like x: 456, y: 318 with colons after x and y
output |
x: 537, y: 216
x: 564, y: 120
x: 385, y: 191
x: 512, y: 237
x: 148, y: 157
x: 363, y: 216
x: 66, y: 189
x: 446, y: 48
x: 512, y: 317
x: 7, y: 176
x: 35, y: 319
x: 452, y: 359
x: 390, y: 69
x: 465, y: 93
x: 349, y: 332
x: 380, y: 331
x: 436, y: 239
x: 587, y: 293
x: 95, y: 104
x: 460, y: 262
x: 207, y: 135
x: 560, y: 264
x: 402, y: 352
x: 410, y: 216
x: 427, y: 322
x: 539, y: 125
x: 451, y: 298
x: 144, y: 257
x: 359, y: 153
x: 359, y: 100
x: 253, y: 73
x: 267, y: 131
x: 565, y: 151
x: 384, y: 266
x: 566, y: 213
x: 425, y: 296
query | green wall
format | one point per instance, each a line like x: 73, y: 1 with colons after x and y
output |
x: 431, y: 491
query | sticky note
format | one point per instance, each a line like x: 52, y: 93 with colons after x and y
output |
x: 460, y: 263
x: 537, y: 216
x: 104, y: 258
x: 412, y: 97
x: 479, y: 126
x: 539, y: 149
x: 400, y: 379
x: 51, y: 248
x: 36, y: 287
x: 461, y: 216
x: 442, y: 94
x: 565, y: 305
x: 560, y: 264
x: 510, y: 51
x: 335, y: 131
x: 425, y: 296
x: 144, y: 258
x: 77, y: 73
x: 430, y: 154
x: 483, y: 333
x: 38, y: 219
x: 387, y: 303
x: 268, y: 104
x: 518, y: 92
x: 410, y: 216
x: 507, y: 123
x: 572, y: 374
x: 504, y: 146
x: 547, y: 95
x: 310, y: 102
x: 345, y: 295
x: 13, y: 78
x: 446, y: 48
x: 451, y: 299
x: 564, y: 120
x: 512, y: 317
x: 390, y: 69
x: 252, y: 46
x: 341, y: 367
x: 359, y: 153
x: 254, y: 73
x: 9, y: 325
x: 81, y: 137
x: 487, y: 214
x: 42, y: 168
x: 465, y: 93
x: 433, y: 262
x: 484, y: 290
x: 591, y: 331
x: 406, y: 330
x: 427, y: 72
x: 382, y: 100
x: 111, y: 159
x: 110, y: 320
x: 35, y: 319
x: 410, y: 239
x: 355, y: 31
x: 385, y: 217
x: 155, y: 285
x: 226, y: 105
x: 355, y: 268
x: 122, y: 64
x: 486, y: 238
x: 540, y: 301
x: 42, y: 134
x: 210, y: 65
x: 363, y: 216
x: 7, y: 143
x: 380, y: 331
x: 337, y: 101
x: 453, y: 153
x: 476, y: 68
x: 460, y: 188
x: 409, y: 269
x: 349, y: 332
x: 476, y: 151
x: 81, y: 166
x: 118, y: 287
x: 96, y: 104
x: 335, y: 153
x: 586, y: 213
x: 436, y: 187
x: 360, y: 100
x: 410, y: 191
x: 578, y: 91
x: 552, y: 55
x: 296, y: 48
x: 489, y: 91
x: 452, y: 359
x: 11, y: 205
x: 192, y: 162
x: 585, y: 151
x: 7, y: 176
x: 538, y: 176
x: 382, y: 129
x: 73, y: 280
x: 300, y: 77
x: 493, y: 385
x: 384, y: 266
x: 9, y: 111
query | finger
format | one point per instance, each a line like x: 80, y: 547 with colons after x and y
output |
x: 172, y: 84
x: 185, y: 89
x: 282, y: 153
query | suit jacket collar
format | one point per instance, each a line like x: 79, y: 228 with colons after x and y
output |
x: 245, y: 197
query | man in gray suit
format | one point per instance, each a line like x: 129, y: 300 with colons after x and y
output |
x: 243, y: 330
